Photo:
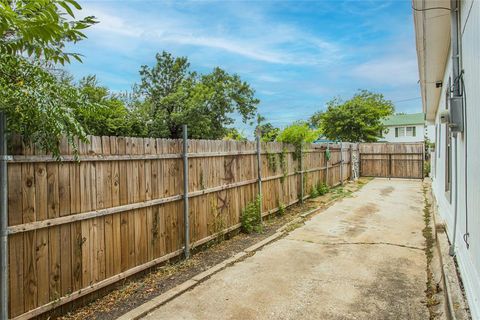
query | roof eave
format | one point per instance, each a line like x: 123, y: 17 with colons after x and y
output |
x: 432, y: 37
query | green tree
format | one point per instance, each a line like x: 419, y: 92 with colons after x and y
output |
x: 41, y: 28
x: 268, y: 132
x: 234, y: 134
x: 173, y: 95
x: 105, y: 114
x: 299, y: 133
x: 37, y: 103
x: 314, y: 120
x: 357, y: 119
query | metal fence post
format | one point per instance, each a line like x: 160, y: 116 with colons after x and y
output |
x: 423, y: 162
x: 259, y: 171
x: 185, y: 192
x: 3, y: 220
x: 341, y: 163
x: 327, y: 158
x: 389, y: 166
x: 302, y: 191
x: 352, y: 167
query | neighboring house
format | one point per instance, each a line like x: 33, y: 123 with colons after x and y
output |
x: 405, y: 128
x: 448, y: 50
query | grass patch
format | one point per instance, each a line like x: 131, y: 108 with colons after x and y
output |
x: 340, y: 192
x: 293, y: 226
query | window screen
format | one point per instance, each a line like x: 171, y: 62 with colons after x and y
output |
x: 410, y: 132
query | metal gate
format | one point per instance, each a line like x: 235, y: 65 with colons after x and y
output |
x: 392, y: 160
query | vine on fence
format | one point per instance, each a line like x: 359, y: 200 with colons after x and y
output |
x: 283, y: 165
x: 272, y: 161
x: 219, y: 223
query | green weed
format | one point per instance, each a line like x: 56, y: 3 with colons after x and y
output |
x: 251, y: 217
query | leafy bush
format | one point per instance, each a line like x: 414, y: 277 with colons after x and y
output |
x: 281, y: 209
x: 313, y: 192
x: 322, y: 189
x: 251, y: 218
x: 426, y: 168
x: 298, y: 134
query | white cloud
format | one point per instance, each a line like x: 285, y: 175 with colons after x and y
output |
x: 277, y: 44
x: 391, y: 70
x: 269, y: 78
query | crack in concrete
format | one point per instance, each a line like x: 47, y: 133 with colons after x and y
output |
x: 361, y: 243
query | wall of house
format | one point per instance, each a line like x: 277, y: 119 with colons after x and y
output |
x: 430, y: 132
x: 466, y: 152
x: 419, y: 135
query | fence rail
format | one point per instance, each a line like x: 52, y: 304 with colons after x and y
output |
x: 116, y: 208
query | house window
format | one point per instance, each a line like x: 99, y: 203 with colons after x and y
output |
x: 411, y: 131
x: 399, y: 132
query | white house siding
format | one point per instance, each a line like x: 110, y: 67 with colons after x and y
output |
x: 419, y: 135
x: 468, y: 259
x: 430, y: 132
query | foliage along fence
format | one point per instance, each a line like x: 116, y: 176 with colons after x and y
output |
x: 392, y: 160
x: 78, y: 226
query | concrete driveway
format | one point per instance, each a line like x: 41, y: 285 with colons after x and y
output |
x: 362, y: 258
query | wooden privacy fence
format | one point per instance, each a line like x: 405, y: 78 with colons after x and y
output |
x: 76, y: 227
x: 392, y: 160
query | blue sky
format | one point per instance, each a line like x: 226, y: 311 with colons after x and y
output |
x: 297, y: 55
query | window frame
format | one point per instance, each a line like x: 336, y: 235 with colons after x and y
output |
x: 412, y: 129
x: 397, y: 132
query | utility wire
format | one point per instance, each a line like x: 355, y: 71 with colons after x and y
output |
x: 466, y: 235
x: 409, y: 99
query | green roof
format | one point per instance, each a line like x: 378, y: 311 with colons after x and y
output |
x: 405, y: 119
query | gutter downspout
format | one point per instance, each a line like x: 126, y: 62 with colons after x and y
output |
x: 3, y: 220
